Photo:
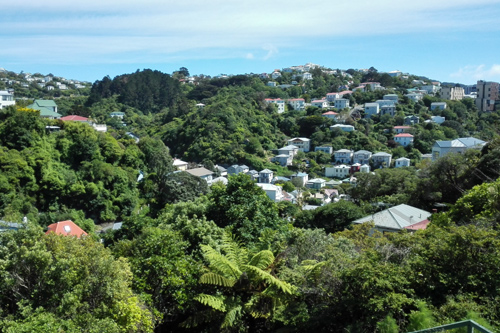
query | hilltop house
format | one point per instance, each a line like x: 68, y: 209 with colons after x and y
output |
x: 302, y: 177
x: 328, y: 150
x: 410, y: 120
x: 236, y: 169
x: 275, y: 193
x: 279, y: 103
x: 341, y: 103
x: 66, y: 228
x: 180, y: 165
x: 345, y: 128
x: 320, y: 103
x: 297, y: 103
x: 438, y: 105
x: 330, y: 115
x: 316, y: 183
x: 401, y: 129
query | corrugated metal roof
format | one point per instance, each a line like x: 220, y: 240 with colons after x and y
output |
x: 397, y: 217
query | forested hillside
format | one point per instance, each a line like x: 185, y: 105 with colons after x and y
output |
x: 225, y: 258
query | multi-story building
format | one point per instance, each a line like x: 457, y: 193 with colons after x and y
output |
x: 279, y: 102
x: 487, y: 95
x: 341, y: 103
x: 297, y: 103
x: 362, y: 157
x: 404, y: 139
x: 452, y: 93
x: 371, y: 109
x: 343, y: 156
x: 304, y: 144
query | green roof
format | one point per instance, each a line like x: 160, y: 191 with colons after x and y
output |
x: 45, y: 102
x: 47, y: 112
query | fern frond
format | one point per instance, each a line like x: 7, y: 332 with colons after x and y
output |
x: 259, y: 306
x: 214, y: 302
x: 216, y: 279
x: 220, y: 263
x: 262, y: 260
x: 234, y: 250
x: 196, y: 319
x: 232, y: 315
x: 271, y: 280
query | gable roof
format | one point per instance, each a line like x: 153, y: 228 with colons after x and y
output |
x: 45, y: 103
x: 397, y: 217
x: 199, y: 172
x: 74, y: 118
x: 66, y: 228
x: 403, y: 135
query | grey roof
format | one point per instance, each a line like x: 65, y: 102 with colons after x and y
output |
x: 397, y: 217
x: 469, y: 142
x: 200, y: 172
x: 381, y: 153
x: 252, y: 172
x: 402, y: 159
x: 362, y: 152
x: 266, y: 171
x: 343, y: 151
x: 472, y: 142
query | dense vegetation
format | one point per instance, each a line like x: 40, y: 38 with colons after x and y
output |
x: 193, y: 259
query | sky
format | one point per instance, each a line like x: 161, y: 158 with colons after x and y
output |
x: 445, y: 40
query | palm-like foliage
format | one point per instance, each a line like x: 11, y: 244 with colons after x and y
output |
x: 249, y: 288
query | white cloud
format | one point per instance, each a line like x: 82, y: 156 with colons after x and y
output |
x: 478, y: 72
x: 117, y: 30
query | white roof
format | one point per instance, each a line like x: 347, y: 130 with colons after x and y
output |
x: 397, y: 217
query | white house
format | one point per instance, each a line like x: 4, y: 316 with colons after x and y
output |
x: 365, y: 168
x: 302, y: 143
x: 438, y: 119
x: 316, y: 183
x: 381, y: 159
x: 339, y: 171
x: 180, y: 165
x: 6, y: 99
x: 331, y: 97
x: 362, y: 157
x: 302, y: 177
x: 341, y: 103
x: 371, y: 109
x: 289, y: 150
x: 343, y: 127
x: 275, y: 75
x: 330, y: 115
x: 343, y: 156
x: 297, y: 103
x: 202, y: 173
x: 307, y: 76
x: 402, y: 162
x: 320, y: 103
x: 117, y: 114
x: 271, y: 84
x: 283, y: 159
x: 415, y: 96
x: 385, y: 102
x: 275, y: 193
x: 404, y: 139
x: 279, y: 103
x: 460, y: 145
x: 236, y: 169
x: 438, y: 105
x: 265, y: 176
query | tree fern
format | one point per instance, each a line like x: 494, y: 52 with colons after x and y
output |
x: 262, y: 260
x: 271, y: 280
x: 215, y: 302
x: 232, y: 316
x: 220, y: 263
x: 217, y: 279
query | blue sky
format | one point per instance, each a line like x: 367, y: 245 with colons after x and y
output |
x: 446, y: 40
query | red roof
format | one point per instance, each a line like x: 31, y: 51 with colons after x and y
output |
x: 74, y: 118
x: 404, y: 135
x: 419, y: 226
x: 330, y: 112
x: 402, y: 127
x: 66, y: 228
